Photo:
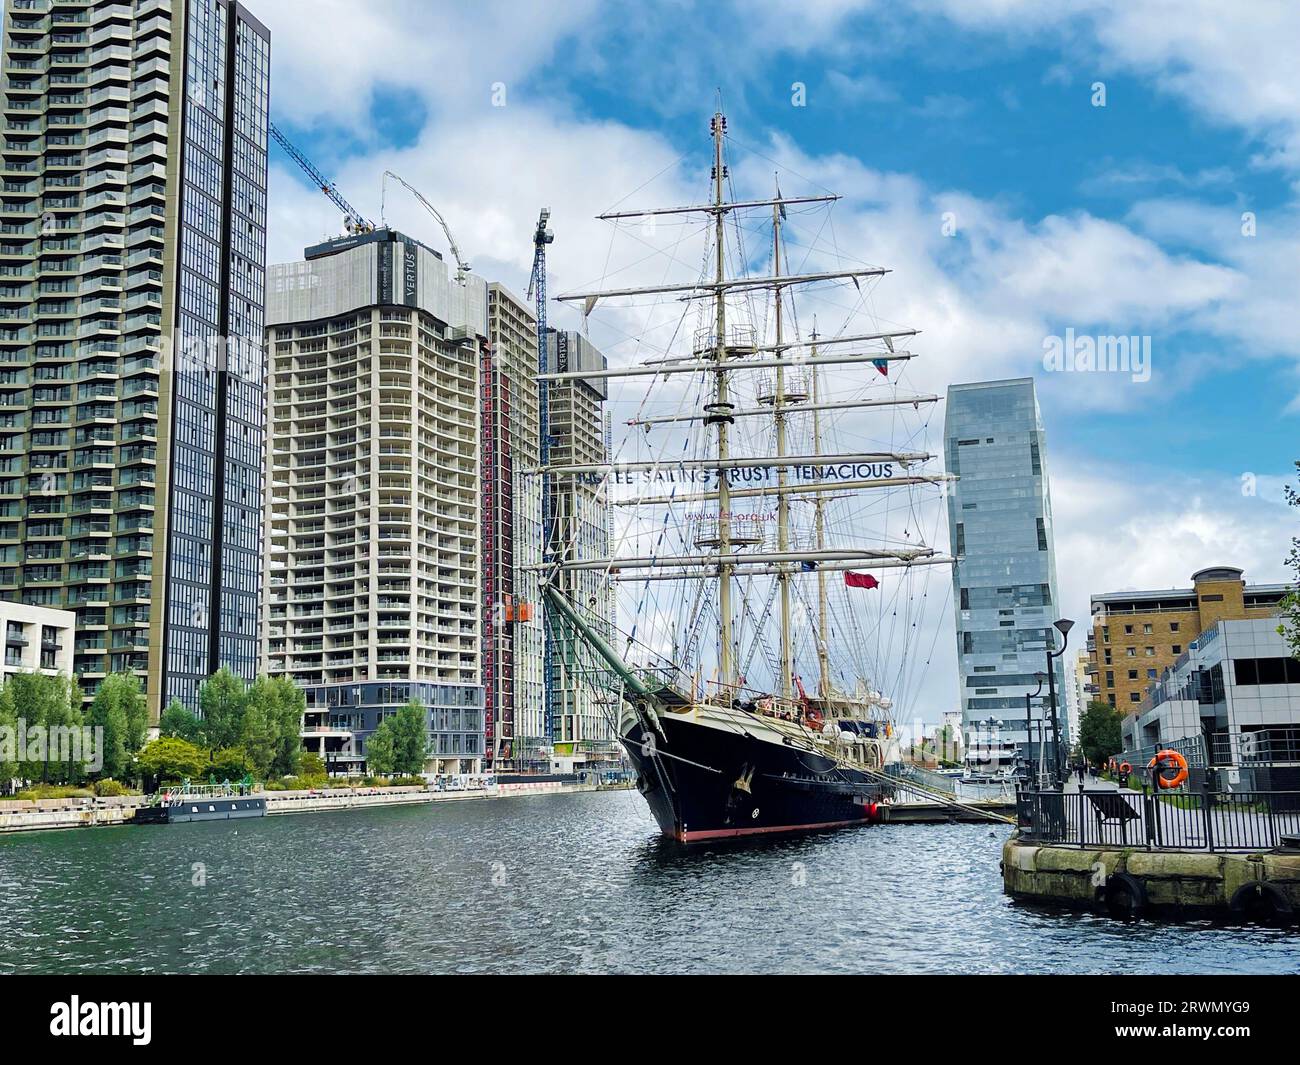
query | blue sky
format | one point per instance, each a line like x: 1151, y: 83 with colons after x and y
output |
x: 1123, y: 219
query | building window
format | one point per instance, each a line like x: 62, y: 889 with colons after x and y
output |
x: 1178, y: 648
x: 1134, y: 697
x: 1131, y: 652
x: 1211, y: 599
x: 1173, y: 626
x: 1252, y: 671
x: 1042, y: 534
x: 1150, y: 652
x: 1110, y: 678
x: 1128, y: 630
x: 1132, y: 674
x: 1146, y: 630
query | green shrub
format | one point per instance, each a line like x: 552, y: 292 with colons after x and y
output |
x: 311, y: 765
x: 405, y: 782
x: 109, y: 787
x: 54, y: 791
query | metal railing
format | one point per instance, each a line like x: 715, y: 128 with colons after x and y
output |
x: 1190, y: 747
x: 1173, y: 820
x: 1277, y: 746
x: 1269, y: 746
x: 927, y: 778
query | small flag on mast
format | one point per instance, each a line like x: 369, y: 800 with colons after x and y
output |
x: 883, y: 364
x: 860, y: 580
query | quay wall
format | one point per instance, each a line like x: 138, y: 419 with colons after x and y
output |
x: 28, y: 815
x: 1128, y: 882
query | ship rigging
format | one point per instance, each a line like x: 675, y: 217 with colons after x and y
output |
x: 722, y: 757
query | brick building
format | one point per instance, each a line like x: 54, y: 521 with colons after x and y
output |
x: 1136, y: 636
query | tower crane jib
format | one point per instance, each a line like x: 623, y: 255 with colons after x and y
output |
x: 462, y: 267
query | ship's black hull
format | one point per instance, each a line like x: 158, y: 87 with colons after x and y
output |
x: 705, y: 783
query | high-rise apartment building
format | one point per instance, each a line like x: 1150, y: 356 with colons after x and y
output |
x: 132, y: 253
x: 1137, y: 635
x: 1004, y: 582
x: 582, y: 716
x: 512, y: 534
x: 373, y: 519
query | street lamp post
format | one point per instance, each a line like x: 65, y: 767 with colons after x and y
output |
x: 1064, y: 625
x: 1029, y: 722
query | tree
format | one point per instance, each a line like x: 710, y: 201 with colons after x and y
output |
x: 311, y: 766
x: 171, y: 759
x: 284, y: 705
x: 1099, y: 731
x: 259, y: 738
x: 108, y: 718
x: 48, y: 703
x: 177, y: 721
x: 119, y: 708
x: 229, y: 763
x: 222, y: 700
x: 9, y: 755
x: 410, y: 739
x: 381, y: 749
x: 1290, y: 627
x: 137, y: 711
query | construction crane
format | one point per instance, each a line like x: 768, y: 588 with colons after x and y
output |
x: 462, y: 267
x: 537, y: 289
x: 353, y: 221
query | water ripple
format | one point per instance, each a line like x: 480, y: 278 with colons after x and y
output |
x: 577, y: 883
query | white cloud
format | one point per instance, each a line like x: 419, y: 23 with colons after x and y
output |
x: 984, y: 298
x: 1229, y: 63
x: 330, y: 56
x: 1118, y: 532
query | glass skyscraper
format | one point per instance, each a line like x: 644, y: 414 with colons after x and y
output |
x: 1004, y: 582
x: 132, y: 271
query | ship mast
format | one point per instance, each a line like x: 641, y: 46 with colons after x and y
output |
x: 721, y: 416
x: 720, y: 355
x: 783, y: 499
x: 819, y: 525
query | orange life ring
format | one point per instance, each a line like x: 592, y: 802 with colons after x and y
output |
x: 1124, y: 767
x: 1179, y: 762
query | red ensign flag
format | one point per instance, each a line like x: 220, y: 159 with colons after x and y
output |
x: 860, y: 580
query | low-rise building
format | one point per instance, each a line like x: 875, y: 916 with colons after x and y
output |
x: 1231, y: 699
x: 1136, y: 636
x: 37, y: 639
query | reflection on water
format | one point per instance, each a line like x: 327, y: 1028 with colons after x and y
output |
x: 575, y: 883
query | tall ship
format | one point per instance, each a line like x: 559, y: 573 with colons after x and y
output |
x: 765, y: 531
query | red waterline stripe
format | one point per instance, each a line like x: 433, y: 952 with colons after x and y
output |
x: 728, y: 833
